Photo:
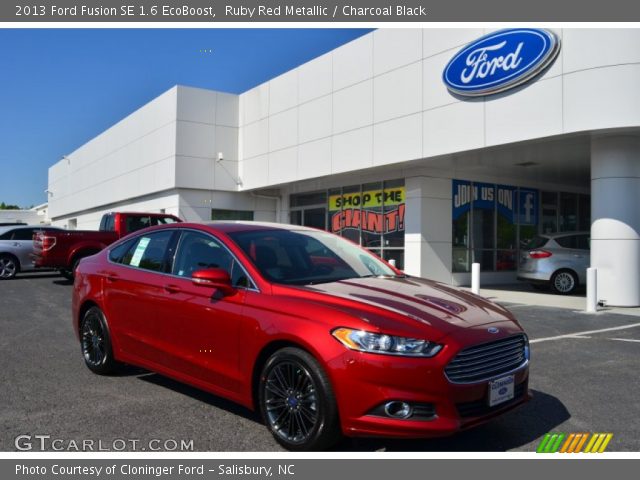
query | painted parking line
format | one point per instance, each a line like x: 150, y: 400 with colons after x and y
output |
x: 624, y: 340
x: 580, y: 334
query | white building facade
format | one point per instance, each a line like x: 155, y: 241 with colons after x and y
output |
x: 368, y: 142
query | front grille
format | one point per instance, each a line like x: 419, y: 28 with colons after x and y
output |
x: 482, y: 362
x: 480, y: 408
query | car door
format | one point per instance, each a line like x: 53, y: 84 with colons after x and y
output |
x: 197, y: 324
x: 21, y: 245
x: 134, y: 284
x: 572, y: 256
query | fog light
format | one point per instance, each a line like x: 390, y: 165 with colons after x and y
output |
x: 397, y: 409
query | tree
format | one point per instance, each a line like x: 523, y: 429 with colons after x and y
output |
x: 4, y: 206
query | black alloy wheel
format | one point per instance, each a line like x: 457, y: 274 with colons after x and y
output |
x: 95, y: 342
x: 297, y: 402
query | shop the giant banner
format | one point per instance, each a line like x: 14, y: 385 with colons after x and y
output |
x: 374, y: 211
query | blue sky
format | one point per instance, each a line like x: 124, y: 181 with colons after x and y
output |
x: 61, y: 87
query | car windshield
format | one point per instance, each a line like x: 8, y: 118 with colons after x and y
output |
x: 305, y: 257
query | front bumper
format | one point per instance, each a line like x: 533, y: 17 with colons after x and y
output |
x: 367, y: 381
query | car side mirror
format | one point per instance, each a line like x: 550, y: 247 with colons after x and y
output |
x: 214, y: 278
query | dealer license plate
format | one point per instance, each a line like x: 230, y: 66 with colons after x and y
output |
x: 501, y: 390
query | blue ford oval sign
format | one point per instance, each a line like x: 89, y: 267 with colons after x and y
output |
x: 499, y: 61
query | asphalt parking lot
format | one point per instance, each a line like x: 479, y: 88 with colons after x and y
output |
x: 582, y: 382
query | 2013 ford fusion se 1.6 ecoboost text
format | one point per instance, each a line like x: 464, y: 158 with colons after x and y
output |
x: 318, y: 334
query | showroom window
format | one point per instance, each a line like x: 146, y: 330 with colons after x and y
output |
x: 565, y: 212
x: 219, y: 214
x: 309, y: 209
x: 492, y: 224
x: 371, y: 215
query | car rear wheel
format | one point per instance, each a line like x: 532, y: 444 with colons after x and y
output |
x: 564, y: 282
x: 8, y: 267
x: 297, y: 402
x: 70, y: 274
x: 95, y: 343
x: 67, y: 274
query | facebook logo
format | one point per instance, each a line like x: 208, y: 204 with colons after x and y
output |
x: 528, y: 207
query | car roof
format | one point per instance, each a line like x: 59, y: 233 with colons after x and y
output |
x: 232, y: 226
x: 6, y: 228
x: 151, y: 214
x: 563, y: 234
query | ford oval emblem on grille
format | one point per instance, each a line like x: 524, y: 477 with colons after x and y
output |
x: 493, y: 330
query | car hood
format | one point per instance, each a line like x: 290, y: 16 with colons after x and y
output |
x: 408, y: 303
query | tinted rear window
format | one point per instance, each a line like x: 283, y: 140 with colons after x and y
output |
x: 140, y: 222
x: 537, y: 242
x: 583, y: 242
x: 567, y: 242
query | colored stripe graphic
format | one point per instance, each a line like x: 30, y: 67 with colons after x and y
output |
x: 556, y: 445
x: 565, y: 447
x: 599, y: 442
x: 543, y: 443
x: 574, y: 442
x: 581, y: 443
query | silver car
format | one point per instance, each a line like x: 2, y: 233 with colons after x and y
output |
x: 559, y: 261
x: 16, y: 245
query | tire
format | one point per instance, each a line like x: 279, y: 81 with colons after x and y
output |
x: 564, y: 282
x: 297, y: 402
x: 9, y: 267
x: 70, y: 274
x: 95, y: 343
x: 67, y: 274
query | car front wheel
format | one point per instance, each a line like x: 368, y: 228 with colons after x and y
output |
x: 95, y: 343
x: 564, y: 282
x: 8, y: 267
x: 297, y: 402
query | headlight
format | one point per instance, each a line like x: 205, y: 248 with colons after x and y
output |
x: 370, y: 342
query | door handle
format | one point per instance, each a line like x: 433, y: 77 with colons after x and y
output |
x: 172, y: 288
x: 111, y: 277
x: 16, y: 244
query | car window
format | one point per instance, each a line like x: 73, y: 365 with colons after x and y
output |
x: 117, y: 254
x: 197, y: 251
x: 23, y: 234
x: 109, y: 223
x: 567, y: 242
x: 6, y: 235
x: 239, y: 277
x: 583, y: 242
x: 150, y: 252
x: 537, y: 242
x: 162, y: 220
x: 137, y: 223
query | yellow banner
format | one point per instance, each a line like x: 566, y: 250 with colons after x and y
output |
x: 368, y: 199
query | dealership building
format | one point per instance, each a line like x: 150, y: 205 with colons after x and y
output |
x: 374, y: 141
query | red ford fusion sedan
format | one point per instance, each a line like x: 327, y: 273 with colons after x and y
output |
x: 319, y: 335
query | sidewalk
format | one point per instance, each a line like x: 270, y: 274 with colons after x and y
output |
x: 521, y: 294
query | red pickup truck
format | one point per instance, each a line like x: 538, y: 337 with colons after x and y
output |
x: 63, y: 249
